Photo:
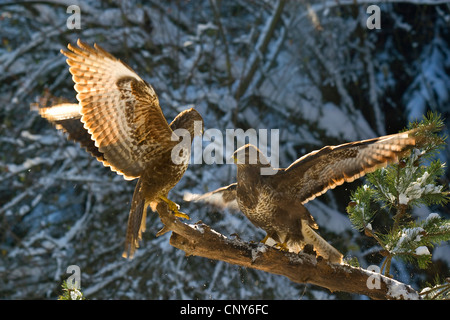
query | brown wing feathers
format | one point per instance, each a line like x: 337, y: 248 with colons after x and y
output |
x: 66, y: 117
x: 119, y: 110
x: 329, y: 167
x: 95, y: 78
x: 224, y: 197
x: 119, y: 121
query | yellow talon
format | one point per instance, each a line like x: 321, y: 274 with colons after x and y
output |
x: 174, y: 208
x: 265, y: 239
x: 278, y: 245
x: 180, y: 214
x: 282, y: 246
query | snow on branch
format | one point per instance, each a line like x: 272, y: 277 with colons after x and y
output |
x: 200, y: 240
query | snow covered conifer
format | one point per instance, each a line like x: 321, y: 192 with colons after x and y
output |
x: 395, y: 190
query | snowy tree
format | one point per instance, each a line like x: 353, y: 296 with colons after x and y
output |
x: 395, y: 191
x: 314, y: 71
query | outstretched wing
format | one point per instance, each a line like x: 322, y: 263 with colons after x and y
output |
x: 120, y: 110
x: 224, y: 197
x: 315, y: 173
x: 66, y: 117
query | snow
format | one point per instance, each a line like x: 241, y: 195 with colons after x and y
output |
x: 44, y: 139
x: 261, y: 248
x: 418, y: 188
x: 422, y: 251
x: 197, y: 227
x: 433, y: 216
x: 61, y: 207
x: 75, y: 294
x: 403, y: 199
x: 431, y: 86
x: 397, y: 290
x: 408, y: 235
x: 27, y: 164
x: 204, y: 27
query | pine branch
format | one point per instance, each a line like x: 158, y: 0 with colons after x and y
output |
x: 359, y: 210
x: 440, y: 291
x: 200, y: 240
x: 400, y: 187
x: 70, y: 293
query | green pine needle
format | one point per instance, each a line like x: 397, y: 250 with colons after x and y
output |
x: 414, y: 181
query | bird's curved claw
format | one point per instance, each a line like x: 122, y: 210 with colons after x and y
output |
x: 180, y: 214
x: 282, y: 246
x: 277, y: 245
x: 175, y: 208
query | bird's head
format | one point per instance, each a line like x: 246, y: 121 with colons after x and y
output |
x: 189, y: 119
x: 249, y: 155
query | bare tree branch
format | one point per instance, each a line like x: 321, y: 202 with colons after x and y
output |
x: 261, y: 47
x: 200, y: 240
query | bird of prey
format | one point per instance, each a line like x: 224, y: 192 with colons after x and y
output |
x: 275, y: 201
x: 119, y: 121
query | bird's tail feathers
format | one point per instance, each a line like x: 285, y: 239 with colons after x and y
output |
x: 136, y: 222
x: 321, y: 246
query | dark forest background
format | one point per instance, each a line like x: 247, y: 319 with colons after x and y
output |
x: 311, y: 69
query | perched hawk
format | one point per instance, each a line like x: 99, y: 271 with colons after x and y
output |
x: 274, y: 201
x: 119, y: 121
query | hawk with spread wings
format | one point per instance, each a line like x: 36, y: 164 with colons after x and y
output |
x: 274, y: 201
x: 119, y: 121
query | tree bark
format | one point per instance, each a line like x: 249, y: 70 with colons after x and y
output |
x: 200, y: 240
